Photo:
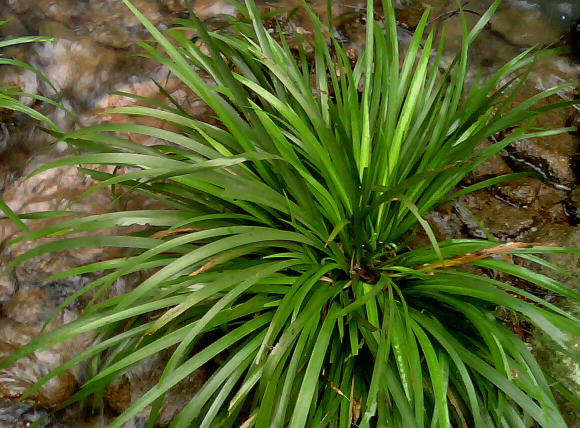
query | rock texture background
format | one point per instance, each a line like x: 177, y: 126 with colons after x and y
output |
x: 91, y: 56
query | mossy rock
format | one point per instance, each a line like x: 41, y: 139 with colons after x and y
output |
x: 561, y: 367
x: 562, y: 235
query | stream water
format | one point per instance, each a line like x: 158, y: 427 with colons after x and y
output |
x: 91, y: 55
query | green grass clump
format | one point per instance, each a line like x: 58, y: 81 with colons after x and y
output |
x: 288, y: 238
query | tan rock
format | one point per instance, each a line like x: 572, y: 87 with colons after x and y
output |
x: 25, y: 315
x: 76, y: 66
x: 210, y: 8
x: 123, y: 392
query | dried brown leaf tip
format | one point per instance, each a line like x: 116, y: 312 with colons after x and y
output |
x: 206, y: 266
x: 356, y: 409
x: 164, y: 233
x: 501, y: 250
x: 249, y: 421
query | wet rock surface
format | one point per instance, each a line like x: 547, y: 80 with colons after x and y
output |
x: 551, y: 156
x: 561, y: 368
x: 90, y: 57
x: 21, y: 415
x: 567, y: 236
x: 572, y: 207
x: 57, y: 190
x: 24, y: 314
x: 127, y: 389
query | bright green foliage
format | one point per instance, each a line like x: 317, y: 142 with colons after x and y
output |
x: 288, y: 234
